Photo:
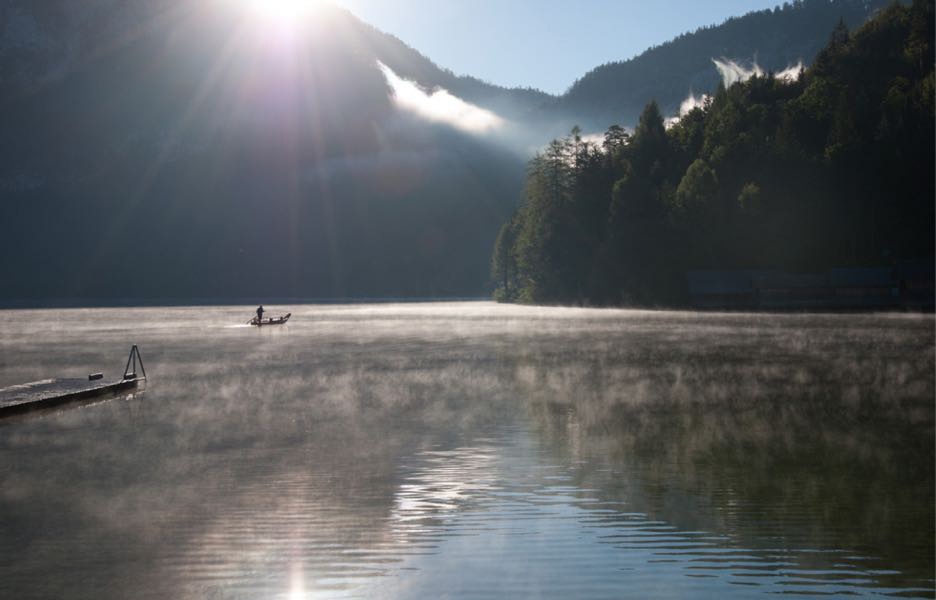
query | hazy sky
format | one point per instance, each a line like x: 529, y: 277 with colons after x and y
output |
x: 546, y: 44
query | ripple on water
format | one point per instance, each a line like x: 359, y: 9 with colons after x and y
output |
x: 474, y: 450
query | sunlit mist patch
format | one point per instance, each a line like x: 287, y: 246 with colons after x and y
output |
x: 439, y: 105
x: 732, y: 71
x: 792, y: 72
x: 692, y: 102
x: 688, y: 105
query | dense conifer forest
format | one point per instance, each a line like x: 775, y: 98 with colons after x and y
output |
x: 834, y: 168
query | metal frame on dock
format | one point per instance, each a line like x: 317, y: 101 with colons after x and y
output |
x: 134, y: 356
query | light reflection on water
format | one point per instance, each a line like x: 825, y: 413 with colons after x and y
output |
x: 472, y: 450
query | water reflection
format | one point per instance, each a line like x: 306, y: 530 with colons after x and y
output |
x: 474, y: 450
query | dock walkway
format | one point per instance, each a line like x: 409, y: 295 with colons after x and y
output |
x: 26, y: 397
x: 47, y: 393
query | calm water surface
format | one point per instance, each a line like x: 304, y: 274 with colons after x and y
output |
x: 472, y: 450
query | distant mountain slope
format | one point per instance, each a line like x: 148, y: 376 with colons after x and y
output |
x: 166, y: 150
x: 776, y: 38
x: 407, y: 62
x: 44, y: 42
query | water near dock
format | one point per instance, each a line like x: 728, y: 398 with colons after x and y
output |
x: 472, y: 450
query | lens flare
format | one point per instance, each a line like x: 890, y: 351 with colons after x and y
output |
x: 283, y: 12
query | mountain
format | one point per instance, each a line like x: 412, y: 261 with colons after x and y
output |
x: 171, y: 149
x: 174, y: 149
x: 829, y: 175
x: 776, y: 39
x: 44, y: 42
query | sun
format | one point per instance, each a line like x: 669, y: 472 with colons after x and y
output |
x: 285, y: 13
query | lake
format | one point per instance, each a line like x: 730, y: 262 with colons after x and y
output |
x: 472, y: 450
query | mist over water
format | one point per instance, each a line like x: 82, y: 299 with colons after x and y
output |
x: 472, y: 449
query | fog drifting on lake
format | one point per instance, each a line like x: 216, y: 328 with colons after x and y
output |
x: 471, y: 449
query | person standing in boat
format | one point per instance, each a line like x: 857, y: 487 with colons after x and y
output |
x: 260, y: 315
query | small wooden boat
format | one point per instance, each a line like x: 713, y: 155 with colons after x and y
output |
x: 271, y: 320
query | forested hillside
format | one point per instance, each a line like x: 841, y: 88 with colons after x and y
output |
x: 835, y: 168
x: 176, y: 153
x: 777, y: 39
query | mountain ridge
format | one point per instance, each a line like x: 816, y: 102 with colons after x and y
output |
x: 776, y: 38
x: 169, y: 154
x: 193, y: 162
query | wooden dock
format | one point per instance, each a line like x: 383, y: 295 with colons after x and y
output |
x: 48, y: 393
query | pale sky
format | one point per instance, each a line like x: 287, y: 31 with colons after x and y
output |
x: 546, y: 44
